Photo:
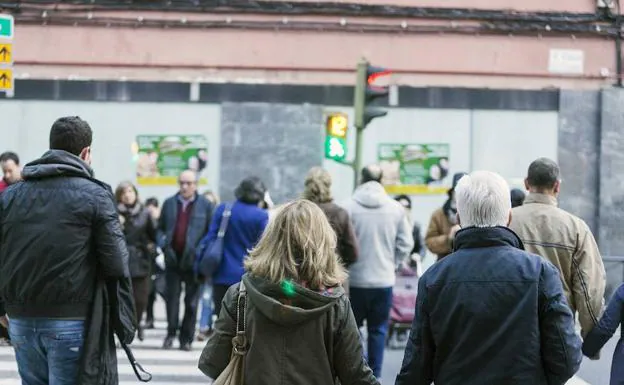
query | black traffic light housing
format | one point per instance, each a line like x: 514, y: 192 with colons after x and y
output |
x: 366, y: 92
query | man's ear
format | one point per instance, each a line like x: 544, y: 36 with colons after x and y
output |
x: 526, y: 184
x: 85, y: 154
x: 509, y: 219
x: 458, y: 219
x: 557, y: 187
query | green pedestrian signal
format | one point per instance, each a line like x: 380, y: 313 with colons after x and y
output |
x: 336, y: 137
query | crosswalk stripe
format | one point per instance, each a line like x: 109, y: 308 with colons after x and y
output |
x: 166, y: 366
x: 577, y: 381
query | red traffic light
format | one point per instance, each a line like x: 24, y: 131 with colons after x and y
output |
x: 373, y: 73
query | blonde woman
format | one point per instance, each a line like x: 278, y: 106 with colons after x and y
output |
x: 299, y: 324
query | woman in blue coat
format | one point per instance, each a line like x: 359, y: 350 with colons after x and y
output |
x: 601, y: 333
x: 244, y: 229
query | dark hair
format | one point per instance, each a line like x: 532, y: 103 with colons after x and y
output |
x: 404, y: 197
x: 9, y: 155
x: 153, y: 201
x: 372, y: 173
x: 122, y: 187
x: 251, y: 190
x: 543, y: 173
x: 517, y: 197
x: 70, y: 134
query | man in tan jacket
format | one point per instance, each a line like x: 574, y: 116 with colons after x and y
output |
x: 563, y: 239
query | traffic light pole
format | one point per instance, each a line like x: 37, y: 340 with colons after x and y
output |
x: 357, y: 160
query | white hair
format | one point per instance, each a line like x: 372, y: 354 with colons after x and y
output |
x: 483, y: 200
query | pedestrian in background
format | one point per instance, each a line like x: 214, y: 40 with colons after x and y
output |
x: 184, y: 219
x: 563, y: 239
x: 317, y: 189
x: 11, y: 173
x: 443, y: 224
x: 157, y: 281
x: 205, y: 317
x: 490, y: 313
x: 245, y: 227
x: 11, y: 170
x: 418, y: 252
x: 384, y: 241
x: 140, y: 233
x: 517, y: 197
x: 295, y: 315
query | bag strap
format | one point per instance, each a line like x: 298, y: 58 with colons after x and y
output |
x: 140, y: 373
x: 239, y: 342
x: 240, y: 308
x: 225, y: 219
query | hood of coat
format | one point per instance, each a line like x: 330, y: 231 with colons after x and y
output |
x: 370, y: 194
x: 56, y: 163
x: 284, y: 309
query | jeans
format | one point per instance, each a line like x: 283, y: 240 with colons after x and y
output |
x: 47, y: 350
x: 205, y: 319
x: 373, y: 305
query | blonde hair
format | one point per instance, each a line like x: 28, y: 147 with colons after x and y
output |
x: 212, y: 197
x: 298, y: 244
x: 318, y: 185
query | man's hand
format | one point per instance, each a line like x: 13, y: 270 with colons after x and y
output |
x: 4, y: 321
x: 454, y: 231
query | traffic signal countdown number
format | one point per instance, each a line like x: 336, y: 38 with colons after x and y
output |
x: 336, y: 137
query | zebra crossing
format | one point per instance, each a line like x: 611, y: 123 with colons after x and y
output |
x: 169, y: 367
x: 166, y: 366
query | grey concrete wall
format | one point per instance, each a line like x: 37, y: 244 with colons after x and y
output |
x: 579, y: 140
x: 611, y: 218
x: 277, y: 142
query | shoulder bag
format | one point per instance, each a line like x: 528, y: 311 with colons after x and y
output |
x: 212, y: 255
x: 234, y: 372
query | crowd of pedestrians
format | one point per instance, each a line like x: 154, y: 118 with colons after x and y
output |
x: 302, y: 292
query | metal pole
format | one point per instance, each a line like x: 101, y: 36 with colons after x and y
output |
x: 357, y: 161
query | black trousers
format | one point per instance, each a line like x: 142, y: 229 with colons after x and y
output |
x: 140, y: 288
x: 218, y: 292
x: 175, y: 280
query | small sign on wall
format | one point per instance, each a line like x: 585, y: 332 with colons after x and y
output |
x: 161, y: 158
x: 566, y: 61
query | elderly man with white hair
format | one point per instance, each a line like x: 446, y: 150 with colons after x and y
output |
x: 490, y: 312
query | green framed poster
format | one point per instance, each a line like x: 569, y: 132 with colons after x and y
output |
x: 415, y: 168
x: 161, y: 158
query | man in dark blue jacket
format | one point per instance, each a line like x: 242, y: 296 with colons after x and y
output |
x: 184, y: 219
x: 490, y: 313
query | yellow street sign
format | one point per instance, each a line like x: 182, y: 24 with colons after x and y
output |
x: 6, y: 53
x: 6, y: 79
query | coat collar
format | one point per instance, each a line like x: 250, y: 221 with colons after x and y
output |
x: 541, y: 198
x: 476, y: 237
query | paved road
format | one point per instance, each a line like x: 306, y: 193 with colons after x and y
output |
x: 177, y: 367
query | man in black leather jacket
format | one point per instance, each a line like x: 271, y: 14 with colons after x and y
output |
x: 59, y: 234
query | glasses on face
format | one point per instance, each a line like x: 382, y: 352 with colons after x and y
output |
x: 186, y: 183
